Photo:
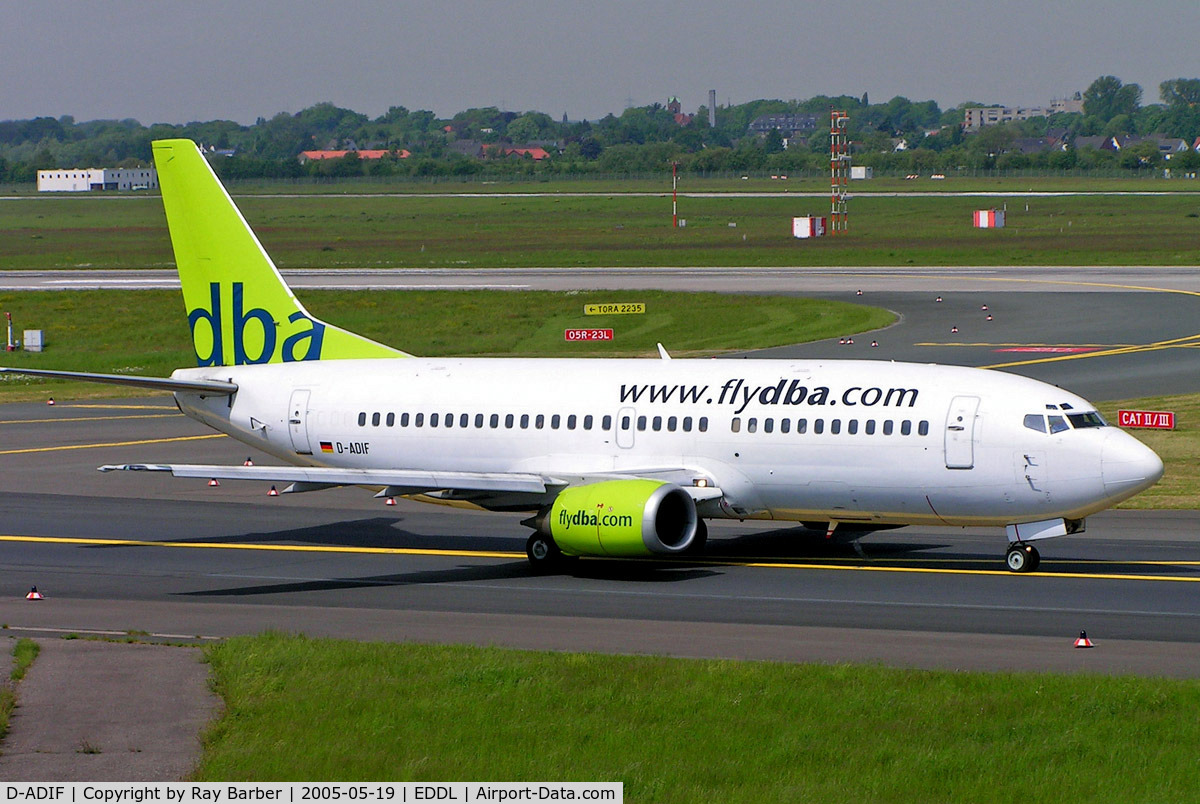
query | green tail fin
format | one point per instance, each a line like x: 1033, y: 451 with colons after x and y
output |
x: 239, y: 308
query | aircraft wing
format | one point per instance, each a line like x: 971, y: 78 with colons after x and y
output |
x: 395, y: 481
x: 489, y: 489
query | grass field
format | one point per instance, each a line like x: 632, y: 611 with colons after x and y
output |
x: 24, y: 651
x: 145, y: 331
x: 677, y: 730
x: 332, y: 231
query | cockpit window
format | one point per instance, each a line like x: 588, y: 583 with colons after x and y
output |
x: 1066, y: 406
x: 1058, y: 424
x: 1089, y: 419
x: 1035, y: 422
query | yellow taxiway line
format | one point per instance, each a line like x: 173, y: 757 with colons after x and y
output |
x: 758, y: 564
x: 285, y: 548
x: 92, y: 418
x: 111, y: 444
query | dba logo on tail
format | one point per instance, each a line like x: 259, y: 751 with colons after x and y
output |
x: 254, y: 333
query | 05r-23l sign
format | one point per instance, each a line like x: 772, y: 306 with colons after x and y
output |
x: 587, y: 335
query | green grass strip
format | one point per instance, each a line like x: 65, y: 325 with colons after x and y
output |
x: 678, y: 730
x: 334, y: 232
x: 24, y: 652
x: 146, y: 331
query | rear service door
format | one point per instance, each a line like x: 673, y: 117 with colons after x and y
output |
x: 298, y: 421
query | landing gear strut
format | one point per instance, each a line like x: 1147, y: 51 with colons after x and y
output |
x: 1022, y: 557
x: 697, y: 546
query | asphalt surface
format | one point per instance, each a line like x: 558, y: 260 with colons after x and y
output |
x: 94, y: 711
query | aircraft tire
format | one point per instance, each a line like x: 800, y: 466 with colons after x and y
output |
x: 544, y: 555
x: 1022, y: 558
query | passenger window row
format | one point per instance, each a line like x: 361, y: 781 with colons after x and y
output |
x: 818, y: 426
x: 525, y: 421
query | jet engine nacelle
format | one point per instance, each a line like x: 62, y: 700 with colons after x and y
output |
x: 621, y: 518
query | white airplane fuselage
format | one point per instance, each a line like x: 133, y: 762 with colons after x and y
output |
x: 837, y: 441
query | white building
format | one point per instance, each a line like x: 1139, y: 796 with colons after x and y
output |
x: 78, y: 180
x: 978, y: 117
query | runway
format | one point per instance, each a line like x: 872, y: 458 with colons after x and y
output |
x: 147, y: 553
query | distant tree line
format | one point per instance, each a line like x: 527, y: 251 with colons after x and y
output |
x: 643, y: 139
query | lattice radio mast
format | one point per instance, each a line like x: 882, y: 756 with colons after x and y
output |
x: 839, y: 170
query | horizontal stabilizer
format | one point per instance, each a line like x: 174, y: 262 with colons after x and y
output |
x: 402, y: 481
x: 218, y: 387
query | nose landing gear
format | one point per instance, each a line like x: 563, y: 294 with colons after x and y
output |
x: 1022, y: 557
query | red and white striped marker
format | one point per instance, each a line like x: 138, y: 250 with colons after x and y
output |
x: 1083, y: 641
x: 272, y: 492
x: 34, y: 594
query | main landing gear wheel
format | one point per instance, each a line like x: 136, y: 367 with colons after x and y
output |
x: 544, y: 555
x: 1022, y: 557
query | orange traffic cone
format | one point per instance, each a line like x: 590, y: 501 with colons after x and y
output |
x: 272, y: 492
x: 213, y: 483
x: 247, y: 462
x: 1083, y: 641
x: 50, y: 401
x: 390, y: 501
x: 34, y: 594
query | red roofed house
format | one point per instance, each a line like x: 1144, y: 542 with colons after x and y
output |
x: 311, y: 156
x: 537, y: 154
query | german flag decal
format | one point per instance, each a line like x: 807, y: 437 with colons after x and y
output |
x: 326, y: 446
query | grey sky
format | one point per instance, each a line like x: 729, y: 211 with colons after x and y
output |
x: 176, y: 62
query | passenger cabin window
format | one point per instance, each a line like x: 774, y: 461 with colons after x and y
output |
x: 391, y: 420
x: 362, y: 419
x: 419, y: 420
x: 508, y: 421
x: 404, y: 420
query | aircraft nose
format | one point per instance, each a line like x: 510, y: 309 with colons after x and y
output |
x: 1127, y: 465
